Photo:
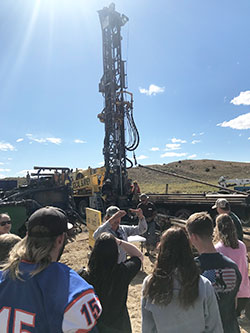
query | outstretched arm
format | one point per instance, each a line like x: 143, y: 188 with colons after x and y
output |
x: 105, y: 227
x: 142, y: 226
x: 129, y: 248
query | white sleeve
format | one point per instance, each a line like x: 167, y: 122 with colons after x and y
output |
x: 212, y: 313
x: 139, y: 229
x: 82, y: 313
x: 105, y: 227
x: 148, y: 323
x: 142, y: 226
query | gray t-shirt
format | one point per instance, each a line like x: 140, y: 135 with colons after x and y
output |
x: 203, y: 316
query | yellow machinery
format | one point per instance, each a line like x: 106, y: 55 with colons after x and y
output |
x: 86, y: 185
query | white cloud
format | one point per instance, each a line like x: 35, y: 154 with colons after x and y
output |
x: 4, y: 170
x: 32, y: 138
x: 240, y: 122
x: 174, y: 140
x: 154, y: 149
x: 101, y: 163
x: 79, y: 141
x: 173, y: 154
x: 152, y: 90
x: 172, y: 146
x: 197, y: 134
x: 19, y: 140
x: 4, y: 146
x: 1, y: 163
x: 195, y: 141
x: 243, y: 98
x: 141, y: 157
x: 56, y: 141
x: 192, y: 156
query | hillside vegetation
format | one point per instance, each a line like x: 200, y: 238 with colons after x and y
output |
x: 204, y: 170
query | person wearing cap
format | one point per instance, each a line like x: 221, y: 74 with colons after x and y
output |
x: 223, y: 207
x: 113, y: 225
x: 222, y: 272
x: 5, y: 223
x: 149, y: 211
x: 107, y: 192
x: 39, y: 294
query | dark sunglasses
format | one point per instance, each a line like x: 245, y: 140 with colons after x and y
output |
x: 4, y: 223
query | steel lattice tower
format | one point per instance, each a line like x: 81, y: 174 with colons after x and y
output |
x: 112, y: 86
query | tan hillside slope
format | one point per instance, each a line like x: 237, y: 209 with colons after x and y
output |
x: 205, y: 170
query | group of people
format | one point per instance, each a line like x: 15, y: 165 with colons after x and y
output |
x: 203, y: 294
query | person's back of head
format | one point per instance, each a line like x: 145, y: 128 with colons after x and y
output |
x: 175, y: 261
x: 43, y: 228
x: 174, y: 249
x: 225, y: 231
x: 200, y: 224
x: 104, y: 255
x: 103, y: 259
x: 7, y: 242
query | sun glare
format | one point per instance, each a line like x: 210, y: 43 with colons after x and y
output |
x: 48, y: 16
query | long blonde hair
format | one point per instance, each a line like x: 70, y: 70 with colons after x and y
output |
x: 36, y: 250
x: 225, y: 231
x: 7, y: 242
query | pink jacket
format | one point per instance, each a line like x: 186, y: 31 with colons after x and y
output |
x: 239, y: 256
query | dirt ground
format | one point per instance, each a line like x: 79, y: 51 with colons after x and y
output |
x: 76, y: 256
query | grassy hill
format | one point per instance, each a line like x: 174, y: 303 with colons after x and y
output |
x: 205, y: 170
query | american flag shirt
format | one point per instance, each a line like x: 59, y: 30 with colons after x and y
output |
x: 223, y: 280
x: 225, y: 277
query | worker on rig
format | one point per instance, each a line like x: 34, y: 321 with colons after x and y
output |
x: 149, y: 211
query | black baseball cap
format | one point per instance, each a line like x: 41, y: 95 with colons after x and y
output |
x: 144, y: 196
x: 53, y: 218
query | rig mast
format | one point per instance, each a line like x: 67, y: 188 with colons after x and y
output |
x: 117, y: 114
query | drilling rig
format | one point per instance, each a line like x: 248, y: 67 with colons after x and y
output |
x: 121, y: 134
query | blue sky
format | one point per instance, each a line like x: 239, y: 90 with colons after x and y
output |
x: 188, y: 68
